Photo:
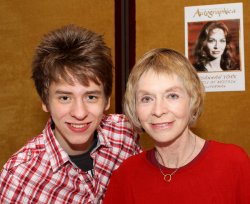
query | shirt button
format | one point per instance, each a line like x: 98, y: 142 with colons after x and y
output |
x: 29, y: 154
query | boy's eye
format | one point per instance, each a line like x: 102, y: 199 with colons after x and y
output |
x: 64, y: 98
x: 92, y: 98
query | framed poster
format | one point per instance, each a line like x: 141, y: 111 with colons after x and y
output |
x: 215, y: 46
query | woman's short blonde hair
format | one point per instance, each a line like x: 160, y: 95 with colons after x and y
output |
x: 168, y: 61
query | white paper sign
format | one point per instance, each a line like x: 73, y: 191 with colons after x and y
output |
x: 215, y: 46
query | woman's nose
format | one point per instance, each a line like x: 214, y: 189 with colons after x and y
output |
x: 160, y: 108
x: 215, y: 45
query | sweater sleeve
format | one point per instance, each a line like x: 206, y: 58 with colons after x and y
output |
x: 244, y: 178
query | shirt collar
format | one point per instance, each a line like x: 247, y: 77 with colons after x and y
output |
x: 57, y: 156
x: 102, y: 134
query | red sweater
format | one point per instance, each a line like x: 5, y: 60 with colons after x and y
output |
x: 219, y: 174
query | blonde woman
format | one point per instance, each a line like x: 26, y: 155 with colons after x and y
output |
x: 164, y: 97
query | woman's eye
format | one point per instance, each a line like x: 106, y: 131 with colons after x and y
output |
x: 210, y: 40
x: 173, y: 96
x: 145, y: 99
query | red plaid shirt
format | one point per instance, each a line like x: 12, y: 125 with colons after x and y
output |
x: 42, y: 172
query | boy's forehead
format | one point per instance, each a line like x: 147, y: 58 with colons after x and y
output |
x: 73, y: 82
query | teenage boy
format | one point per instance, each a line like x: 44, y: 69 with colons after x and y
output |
x: 71, y: 161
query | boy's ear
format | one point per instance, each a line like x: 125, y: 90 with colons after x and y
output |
x: 44, y: 107
x: 107, y: 104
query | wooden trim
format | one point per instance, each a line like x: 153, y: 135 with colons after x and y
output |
x: 124, y: 47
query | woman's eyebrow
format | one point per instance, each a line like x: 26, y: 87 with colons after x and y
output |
x: 170, y: 89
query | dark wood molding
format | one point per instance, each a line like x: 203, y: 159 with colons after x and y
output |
x: 124, y: 47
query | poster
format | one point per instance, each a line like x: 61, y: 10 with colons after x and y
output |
x: 214, y: 45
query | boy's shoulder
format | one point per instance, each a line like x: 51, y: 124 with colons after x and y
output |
x: 115, y: 118
x: 27, y: 153
x: 117, y: 123
x: 115, y: 130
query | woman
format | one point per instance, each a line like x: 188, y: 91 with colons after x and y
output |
x: 164, y: 97
x: 214, y: 51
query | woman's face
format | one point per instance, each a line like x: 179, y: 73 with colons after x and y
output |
x: 162, y: 106
x: 216, y: 43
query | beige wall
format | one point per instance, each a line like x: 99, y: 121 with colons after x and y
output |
x: 22, y: 24
x: 159, y: 23
x: 226, y: 117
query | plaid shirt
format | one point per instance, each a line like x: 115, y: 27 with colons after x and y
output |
x: 42, y: 172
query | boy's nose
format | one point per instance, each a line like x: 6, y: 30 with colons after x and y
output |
x: 79, y: 110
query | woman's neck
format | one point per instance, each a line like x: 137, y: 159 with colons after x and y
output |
x: 181, y: 152
x: 214, y: 65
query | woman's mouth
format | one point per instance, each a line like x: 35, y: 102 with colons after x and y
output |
x: 165, y: 125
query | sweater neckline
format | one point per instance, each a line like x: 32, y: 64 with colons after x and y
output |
x: 150, y: 155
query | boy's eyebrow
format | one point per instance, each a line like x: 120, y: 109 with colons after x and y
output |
x: 97, y: 92
x: 62, y: 92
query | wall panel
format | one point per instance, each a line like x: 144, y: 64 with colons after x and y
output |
x: 226, y: 115
x: 22, y: 25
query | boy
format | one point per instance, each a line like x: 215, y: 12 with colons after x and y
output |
x: 71, y: 161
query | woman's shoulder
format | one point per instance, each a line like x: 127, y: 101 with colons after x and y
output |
x: 225, y: 150
x: 134, y: 162
x: 135, y: 158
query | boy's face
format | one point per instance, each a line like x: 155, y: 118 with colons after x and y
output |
x: 76, y: 111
